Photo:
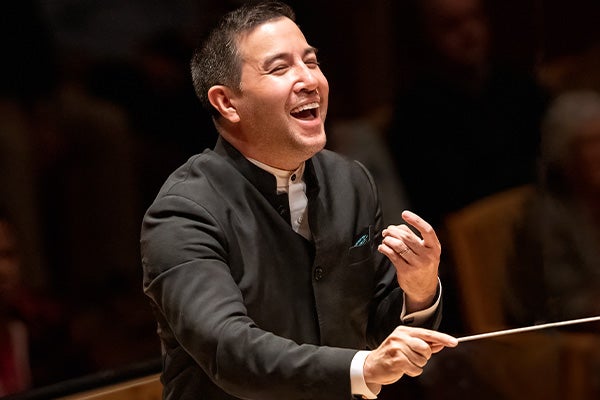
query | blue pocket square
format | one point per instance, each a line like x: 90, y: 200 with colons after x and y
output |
x: 362, y: 240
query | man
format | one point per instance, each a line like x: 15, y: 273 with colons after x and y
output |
x: 260, y: 256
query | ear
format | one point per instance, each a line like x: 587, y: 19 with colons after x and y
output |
x: 220, y: 97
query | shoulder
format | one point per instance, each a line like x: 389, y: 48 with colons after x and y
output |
x: 197, y: 176
x: 343, y: 176
x: 336, y: 161
x: 335, y: 165
x: 197, y: 189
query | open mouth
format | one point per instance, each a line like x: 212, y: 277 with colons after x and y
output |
x: 306, y: 112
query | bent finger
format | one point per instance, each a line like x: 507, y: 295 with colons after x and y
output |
x: 427, y: 232
x: 413, y: 370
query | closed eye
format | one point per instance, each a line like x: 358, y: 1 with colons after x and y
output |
x: 278, y: 69
x: 313, y: 63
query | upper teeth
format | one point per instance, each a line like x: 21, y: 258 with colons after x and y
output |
x: 308, y: 106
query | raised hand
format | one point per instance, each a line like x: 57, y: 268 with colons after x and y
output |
x: 415, y: 258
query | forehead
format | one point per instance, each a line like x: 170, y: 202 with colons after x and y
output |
x: 280, y: 35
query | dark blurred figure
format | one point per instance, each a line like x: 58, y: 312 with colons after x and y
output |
x: 556, y: 271
x: 36, y: 347
x: 67, y: 180
x: 28, y: 76
x: 15, y: 373
x: 154, y: 88
x: 65, y: 157
x: 37, y: 334
x: 478, y: 119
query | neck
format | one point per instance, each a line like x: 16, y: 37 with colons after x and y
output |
x: 251, y: 152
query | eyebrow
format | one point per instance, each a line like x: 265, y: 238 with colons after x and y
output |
x: 278, y: 56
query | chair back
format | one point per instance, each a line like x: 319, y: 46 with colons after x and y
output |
x: 480, y: 238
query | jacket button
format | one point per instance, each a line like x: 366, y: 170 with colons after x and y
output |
x: 318, y: 273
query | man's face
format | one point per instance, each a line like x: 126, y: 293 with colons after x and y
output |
x: 283, y: 99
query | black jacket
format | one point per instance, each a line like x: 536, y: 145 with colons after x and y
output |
x: 248, y: 307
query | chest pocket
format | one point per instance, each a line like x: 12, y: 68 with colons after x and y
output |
x: 363, y: 246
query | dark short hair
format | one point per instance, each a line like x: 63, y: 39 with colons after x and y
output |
x: 217, y: 60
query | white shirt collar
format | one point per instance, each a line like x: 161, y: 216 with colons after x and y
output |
x: 291, y: 182
x: 284, y: 177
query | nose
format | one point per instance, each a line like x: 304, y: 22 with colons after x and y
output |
x: 307, y: 78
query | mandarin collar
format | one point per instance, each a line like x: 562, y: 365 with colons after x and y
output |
x: 264, y: 181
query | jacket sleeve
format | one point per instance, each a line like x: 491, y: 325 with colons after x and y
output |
x: 201, y: 309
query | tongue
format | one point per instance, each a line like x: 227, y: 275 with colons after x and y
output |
x: 306, y: 114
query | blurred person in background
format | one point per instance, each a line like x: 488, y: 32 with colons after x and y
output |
x: 556, y: 271
x: 15, y: 372
x: 464, y: 125
x: 68, y: 183
x: 36, y: 344
x: 476, y: 119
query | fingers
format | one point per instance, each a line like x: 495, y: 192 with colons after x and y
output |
x: 430, y: 239
x: 416, y: 263
x: 417, y: 353
x: 399, y: 241
x: 430, y: 336
x: 396, y: 250
x: 405, y: 351
x: 422, y: 344
x: 398, y: 355
x: 436, y: 348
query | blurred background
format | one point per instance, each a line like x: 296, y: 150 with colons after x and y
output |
x: 450, y: 103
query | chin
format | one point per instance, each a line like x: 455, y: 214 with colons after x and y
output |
x: 318, y: 143
x: 309, y: 149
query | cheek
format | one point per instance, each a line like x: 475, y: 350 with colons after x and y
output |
x: 256, y: 108
x: 325, y: 84
x: 323, y: 87
x: 322, y: 78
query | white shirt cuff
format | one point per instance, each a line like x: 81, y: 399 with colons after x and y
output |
x: 419, y: 317
x: 358, y: 385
